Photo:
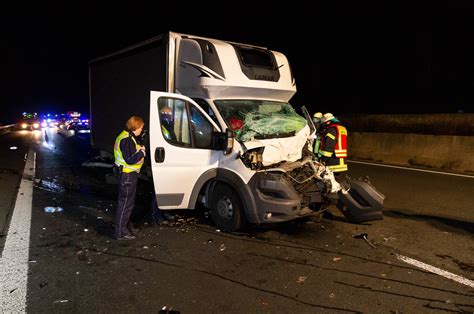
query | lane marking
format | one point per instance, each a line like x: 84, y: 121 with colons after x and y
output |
x: 412, y: 169
x: 436, y: 270
x: 14, y: 260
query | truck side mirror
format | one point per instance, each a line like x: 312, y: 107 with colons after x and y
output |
x: 223, y: 141
x: 230, y: 141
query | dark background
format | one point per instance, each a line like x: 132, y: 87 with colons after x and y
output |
x: 346, y: 59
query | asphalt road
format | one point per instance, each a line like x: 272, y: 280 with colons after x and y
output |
x: 305, y: 267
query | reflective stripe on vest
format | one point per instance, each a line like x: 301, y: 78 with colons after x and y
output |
x: 325, y: 153
x: 166, y: 133
x: 119, y: 161
x: 330, y: 136
x: 316, y: 145
x: 338, y: 168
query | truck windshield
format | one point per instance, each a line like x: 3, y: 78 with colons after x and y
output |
x: 260, y: 119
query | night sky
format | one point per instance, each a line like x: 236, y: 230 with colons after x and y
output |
x: 345, y: 59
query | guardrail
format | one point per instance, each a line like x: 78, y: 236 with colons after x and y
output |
x: 6, y: 128
x: 444, y: 141
x: 451, y: 153
x: 455, y: 124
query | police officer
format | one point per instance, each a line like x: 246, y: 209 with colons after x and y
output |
x: 332, y: 148
x: 129, y: 157
x: 166, y: 116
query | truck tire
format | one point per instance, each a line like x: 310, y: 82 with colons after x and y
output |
x: 226, y: 208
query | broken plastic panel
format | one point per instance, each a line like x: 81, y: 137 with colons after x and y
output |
x: 260, y: 119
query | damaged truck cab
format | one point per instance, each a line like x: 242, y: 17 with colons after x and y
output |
x: 221, y: 131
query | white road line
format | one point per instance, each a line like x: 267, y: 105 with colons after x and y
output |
x: 412, y: 169
x: 14, y: 260
x: 436, y: 270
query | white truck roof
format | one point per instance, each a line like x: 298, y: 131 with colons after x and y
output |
x: 217, y: 69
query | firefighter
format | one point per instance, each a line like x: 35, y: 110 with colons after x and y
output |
x: 317, y: 137
x: 332, y: 150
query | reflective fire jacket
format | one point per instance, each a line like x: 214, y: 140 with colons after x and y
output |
x: 333, y: 148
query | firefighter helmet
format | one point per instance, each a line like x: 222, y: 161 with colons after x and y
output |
x: 317, y: 119
x: 317, y: 115
x: 329, y: 117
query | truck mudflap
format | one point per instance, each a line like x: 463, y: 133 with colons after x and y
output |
x: 359, y: 201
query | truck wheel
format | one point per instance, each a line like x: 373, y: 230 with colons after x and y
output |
x: 226, y: 208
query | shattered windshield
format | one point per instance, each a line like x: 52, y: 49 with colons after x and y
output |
x: 260, y: 119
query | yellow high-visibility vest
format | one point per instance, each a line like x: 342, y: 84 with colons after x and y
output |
x: 119, y: 161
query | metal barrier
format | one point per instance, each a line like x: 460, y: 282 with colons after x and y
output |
x: 6, y: 128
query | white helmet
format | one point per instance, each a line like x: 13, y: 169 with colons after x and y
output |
x: 328, y: 117
x: 317, y: 115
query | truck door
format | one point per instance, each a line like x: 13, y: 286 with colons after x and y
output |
x: 180, y: 147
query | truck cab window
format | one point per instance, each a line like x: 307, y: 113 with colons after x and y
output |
x: 207, y: 109
x: 201, y: 129
x: 183, y: 124
x: 174, y: 121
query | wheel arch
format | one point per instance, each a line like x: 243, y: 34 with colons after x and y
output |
x: 208, y: 180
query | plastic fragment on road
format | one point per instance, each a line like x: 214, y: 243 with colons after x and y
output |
x: 301, y: 279
x: 168, y: 310
x: 51, y: 209
x: 13, y: 148
x: 336, y: 259
x: 365, y: 237
x: 222, y: 247
x: 263, y: 302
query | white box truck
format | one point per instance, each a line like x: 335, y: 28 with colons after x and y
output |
x: 228, y: 138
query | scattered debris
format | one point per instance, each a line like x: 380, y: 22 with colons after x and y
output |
x: 332, y: 295
x: 301, y: 279
x: 86, y: 230
x: 13, y: 148
x: 335, y: 259
x: 263, y: 302
x: 60, y: 301
x: 222, y: 247
x: 168, y: 310
x: 145, y: 247
x: 365, y: 237
x: 209, y: 241
x: 51, y: 209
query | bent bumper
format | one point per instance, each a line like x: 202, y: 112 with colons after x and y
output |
x: 275, y: 198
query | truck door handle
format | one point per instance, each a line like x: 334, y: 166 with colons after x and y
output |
x: 159, y: 154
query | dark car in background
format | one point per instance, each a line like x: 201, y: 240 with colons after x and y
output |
x: 81, y: 126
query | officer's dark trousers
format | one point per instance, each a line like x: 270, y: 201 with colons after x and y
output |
x: 126, y: 201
